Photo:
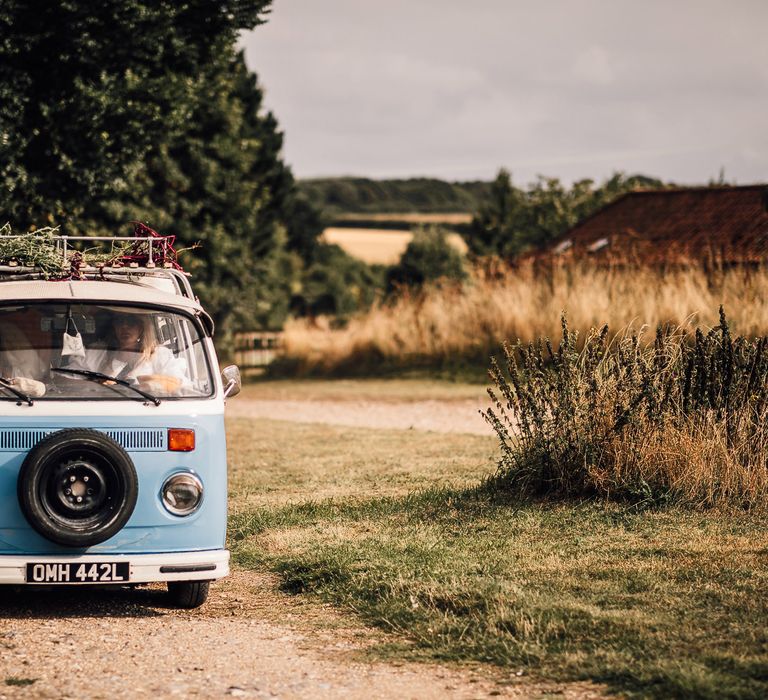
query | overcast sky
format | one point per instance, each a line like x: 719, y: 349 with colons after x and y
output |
x: 455, y: 89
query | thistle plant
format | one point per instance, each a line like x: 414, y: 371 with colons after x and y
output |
x: 683, y: 418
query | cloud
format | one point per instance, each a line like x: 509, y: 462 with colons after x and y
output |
x: 594, y: 66
x: 571, y: 89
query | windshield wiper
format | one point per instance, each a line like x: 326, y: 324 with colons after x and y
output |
x: 18, y: 394
x: 99, y: 377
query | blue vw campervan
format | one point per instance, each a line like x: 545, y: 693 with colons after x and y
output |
x: 112, y: 447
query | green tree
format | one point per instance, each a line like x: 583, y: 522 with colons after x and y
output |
x: 304, y: 225
x: 221, y: 183
x: 152, y: 116
x: 87, y: 89
x: 499, y: 226
x: 335, y: 283
x: 428, y: 257
x: 344, y: 195
x: 512, y: 220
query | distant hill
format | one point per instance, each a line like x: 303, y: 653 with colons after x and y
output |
x: 340, y: 196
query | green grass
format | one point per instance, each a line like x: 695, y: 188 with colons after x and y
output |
x: 273, y: 463
x: 388, y: 524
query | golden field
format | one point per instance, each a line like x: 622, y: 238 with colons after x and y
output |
x: 379, y: 246
x: 470, y: 321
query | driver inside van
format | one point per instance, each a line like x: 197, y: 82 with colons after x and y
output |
x: 131, y: 352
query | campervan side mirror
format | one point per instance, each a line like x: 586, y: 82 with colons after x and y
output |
x: 230, y: 377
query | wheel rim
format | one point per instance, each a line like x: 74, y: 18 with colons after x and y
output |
x: 81, y: 491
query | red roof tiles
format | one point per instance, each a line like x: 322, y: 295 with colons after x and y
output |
x: 724, y: 224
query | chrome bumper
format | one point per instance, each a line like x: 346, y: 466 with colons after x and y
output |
x: 206, y: 565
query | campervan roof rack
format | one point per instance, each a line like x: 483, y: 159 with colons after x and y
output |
x: 143, y: 256
x: 157, y: 246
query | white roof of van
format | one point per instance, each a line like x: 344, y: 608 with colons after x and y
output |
x: 94, y: 291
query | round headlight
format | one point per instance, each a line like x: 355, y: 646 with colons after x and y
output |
x: 182, y: 493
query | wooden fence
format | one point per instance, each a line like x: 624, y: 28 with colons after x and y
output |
x: 257, y: 349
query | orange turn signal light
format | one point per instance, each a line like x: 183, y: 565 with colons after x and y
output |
x: 181, y: 440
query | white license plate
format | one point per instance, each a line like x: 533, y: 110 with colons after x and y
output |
x: 76, y: 572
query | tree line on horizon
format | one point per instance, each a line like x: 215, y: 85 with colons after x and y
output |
x: 507, y: 220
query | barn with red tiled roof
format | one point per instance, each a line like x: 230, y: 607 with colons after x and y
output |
x: 708, y: 224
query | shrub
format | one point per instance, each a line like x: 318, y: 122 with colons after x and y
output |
x: 335, y: 283
x: 428, y: 257
x: 682, y: 419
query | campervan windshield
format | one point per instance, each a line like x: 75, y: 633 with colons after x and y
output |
x: 101, y: 351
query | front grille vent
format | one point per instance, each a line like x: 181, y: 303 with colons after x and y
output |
x: 21, y: 440
x: 130, y: 439
x: 144, y: 440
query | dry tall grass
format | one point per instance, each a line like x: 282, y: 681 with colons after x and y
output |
x: 444, y: 323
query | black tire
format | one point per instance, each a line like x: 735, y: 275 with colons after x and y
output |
x: 188, y: 594
x: 103, y: 493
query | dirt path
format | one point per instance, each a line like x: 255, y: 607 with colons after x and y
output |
x: 249, y: 641
x: 437, y: 416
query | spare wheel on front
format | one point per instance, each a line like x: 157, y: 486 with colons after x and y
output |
x: 77, y: 487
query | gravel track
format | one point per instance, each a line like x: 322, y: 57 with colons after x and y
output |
x: 248, y: 641
x: 437, y: 416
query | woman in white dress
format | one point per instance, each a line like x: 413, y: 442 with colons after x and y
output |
x: 132, y: 353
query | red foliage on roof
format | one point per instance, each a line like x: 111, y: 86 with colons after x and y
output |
x: 722, y: 224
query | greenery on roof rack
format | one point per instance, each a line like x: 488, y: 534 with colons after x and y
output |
x: 39, y: 249
x: 36, y: 249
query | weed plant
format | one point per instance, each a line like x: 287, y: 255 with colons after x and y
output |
x: 677, y: 420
